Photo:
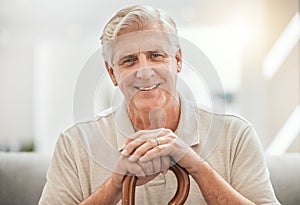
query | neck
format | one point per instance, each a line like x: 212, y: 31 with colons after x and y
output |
x: 166, y: 116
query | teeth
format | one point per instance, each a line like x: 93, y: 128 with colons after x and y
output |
x: 148, y: 88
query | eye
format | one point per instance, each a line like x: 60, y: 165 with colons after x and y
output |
x: 157, y: 55
x: 128, y: 61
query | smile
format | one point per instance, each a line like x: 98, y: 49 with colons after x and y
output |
x: 147, y: 88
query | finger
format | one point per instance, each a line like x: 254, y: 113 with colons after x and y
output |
x: 144, y: 180
x: 147, y: 167
x: 158, y: 151
x: 138, y: 139
x: 130, y: 139
x: 142, y: 149
x: 136, y: 169
x: 165, y: 164
x: 131, y: 147
x: 148, y: 145
x: 157, y: 165
x: 146, y: 134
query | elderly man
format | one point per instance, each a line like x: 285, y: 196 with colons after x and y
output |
x: 143, y: 57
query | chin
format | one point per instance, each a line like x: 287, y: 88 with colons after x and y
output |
x: 147, y: 103
x: 149, y: 100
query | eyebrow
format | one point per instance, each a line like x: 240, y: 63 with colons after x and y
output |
x: 158, y: 51
x: 134, y: 55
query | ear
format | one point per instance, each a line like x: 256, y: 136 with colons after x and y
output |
x: 111, y: 73
x: 178, y: 58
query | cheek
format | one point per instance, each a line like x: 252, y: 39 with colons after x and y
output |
x: 121, y: 76
x: 126, y: 80
x: 168, y: 73
x: 169, y: 69
x: 174, y: 66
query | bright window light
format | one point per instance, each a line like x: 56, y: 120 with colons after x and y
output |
x: 286, y: 134
x: 282, y: 47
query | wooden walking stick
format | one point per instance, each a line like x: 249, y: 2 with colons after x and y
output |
x: 183, y: 187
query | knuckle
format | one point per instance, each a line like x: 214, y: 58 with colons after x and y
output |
x: 169, y: 130
x: 172, y: 136
x: 156, y: 162
x: 129, y: 146
x: 137, y: 153
x: 149, y: 142
x: 147, y: 167
x: 158, y: 149
x: 153, y: 142
x: 137, y: 170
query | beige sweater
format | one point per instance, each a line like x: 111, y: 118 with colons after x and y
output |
x: 86, y: 153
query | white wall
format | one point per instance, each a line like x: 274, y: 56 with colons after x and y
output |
x: 16, y: 85
x: 43, y: 46
x: 57, y: 65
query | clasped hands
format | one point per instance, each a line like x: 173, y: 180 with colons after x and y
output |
x: 149, y: 152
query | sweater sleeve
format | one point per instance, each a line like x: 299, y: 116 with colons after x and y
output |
x: 62, y: 186
x: 249, y: 173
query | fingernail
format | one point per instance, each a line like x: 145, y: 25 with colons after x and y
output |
x: 121, y: 149
x: 132, y: 158
x: 124, y: 152
x: 143, y: 159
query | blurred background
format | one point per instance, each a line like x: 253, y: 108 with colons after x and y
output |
x: 253, y: 44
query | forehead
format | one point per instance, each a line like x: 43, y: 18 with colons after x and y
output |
x: 141, y: 41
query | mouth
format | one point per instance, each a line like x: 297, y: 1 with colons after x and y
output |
x: 147, y: 88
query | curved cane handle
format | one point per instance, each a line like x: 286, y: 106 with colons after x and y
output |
x: 183, y: 187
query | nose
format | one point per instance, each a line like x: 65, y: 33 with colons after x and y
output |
x: 145, y: 70
x: 144, y: 73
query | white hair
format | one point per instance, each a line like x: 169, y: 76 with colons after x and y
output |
x: 134, y: 18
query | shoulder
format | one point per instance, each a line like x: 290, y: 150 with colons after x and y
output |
x: 107, y: 112
x: 78, y: 127
x: 225, y: 122
x: 81, y: 135
x: 237, y: 133
x: 231, y: 134
x: 227, y: 130
x: 107, y: 115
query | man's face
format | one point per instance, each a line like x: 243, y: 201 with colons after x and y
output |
x: 145, y: 66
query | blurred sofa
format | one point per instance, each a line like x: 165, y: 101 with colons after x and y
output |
x: 23, y: 175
